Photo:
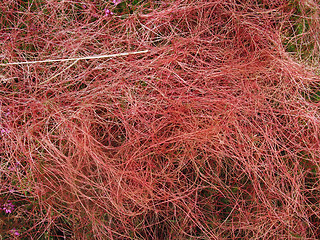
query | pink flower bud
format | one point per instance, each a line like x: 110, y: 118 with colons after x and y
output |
x: 116, y: 2
x: 108, y: 12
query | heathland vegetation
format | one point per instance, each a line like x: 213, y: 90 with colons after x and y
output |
x: 210, y: 132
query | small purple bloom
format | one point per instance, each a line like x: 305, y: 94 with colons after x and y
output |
x: 8, y: 207
x: 116, y: 2
x: 14, y: 232
x: 108, y: 12
x: 4, y: 131
x: 14, y: 166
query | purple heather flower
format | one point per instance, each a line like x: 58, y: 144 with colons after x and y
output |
x: 4, y: 131
x: 8, y: 207
x: 14, y: 166
x: 7, y: 113
x: 14, y: 232
x: 116, y: 2
x: 108, y: 12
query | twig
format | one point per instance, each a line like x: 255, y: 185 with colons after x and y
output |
x: 75, y: 59
x: 59, y: 72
